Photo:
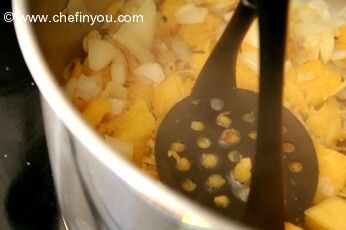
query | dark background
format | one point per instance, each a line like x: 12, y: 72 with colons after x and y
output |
x: 27, y: 197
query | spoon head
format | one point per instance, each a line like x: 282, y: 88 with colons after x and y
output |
x: 201, y: 141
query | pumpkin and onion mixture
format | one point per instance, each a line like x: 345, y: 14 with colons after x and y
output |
x: 133, y: 73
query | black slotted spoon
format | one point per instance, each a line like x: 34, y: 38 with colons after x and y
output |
x: 283, y: 184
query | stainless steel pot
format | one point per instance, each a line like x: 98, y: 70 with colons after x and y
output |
x: 96, y: 187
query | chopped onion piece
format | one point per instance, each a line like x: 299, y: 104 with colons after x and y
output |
x: 191, y: 14
x: 118, y: 72
x: 87, y: 88
x: 340, y: 17
x: 115, y: 90
x: 70, y: 87
x: 137, y: 37
x: 338, y: 55
x: 92, y: 35
x: 144, y: 81
x: 101, y: 53
x: 125, y: 148
x: 117, y: 106
x: 180, y: 49
x: 152, y: 71
x: 98, y: 79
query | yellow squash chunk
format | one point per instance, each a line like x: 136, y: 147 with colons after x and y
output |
x: 201, y: 36
x: 325, y: 124
x: 341, y: 40
x: 289, y: 226
x: 96, y: 110
x: 143, y: 92
x: 137, y: 121
x: 135, y: 125
x: 293, y: 97
x: 332, y: 173
x: 167, y: 94
x: 316, y: 81
x: 198, y: 60
x: 246, y: 77
x: 328, y: 215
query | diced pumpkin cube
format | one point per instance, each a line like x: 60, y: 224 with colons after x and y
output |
x: 289, y: 226
x: 293, y: 97
x: 341, y: 40
x: 96, y: 110
x: 328, y: 215
x: 137, y: 121
x: 167, y: 94
x: 142, y: 91
x: 246, y: 77
x: 314, y: 75
x: 135, y: 125
x: 201, y: 36
x: 198, y: 61
x: 332, y: 173
x: 325, y: 124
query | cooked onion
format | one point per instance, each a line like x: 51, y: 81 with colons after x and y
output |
x: 152, y: 71
x: 101, y: 53
x: 137, y: 36
x: 117, y: 106
x: 118, y: 72
x: 92, y: 35
x: 87, y: 88
x: 338, y: 55
x: 70, y: 87
x: 115, y: 90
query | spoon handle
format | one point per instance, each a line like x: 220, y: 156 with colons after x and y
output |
x: 217, y: 77
x: 266, y: 209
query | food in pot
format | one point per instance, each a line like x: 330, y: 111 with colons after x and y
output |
x: 133, y: 73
